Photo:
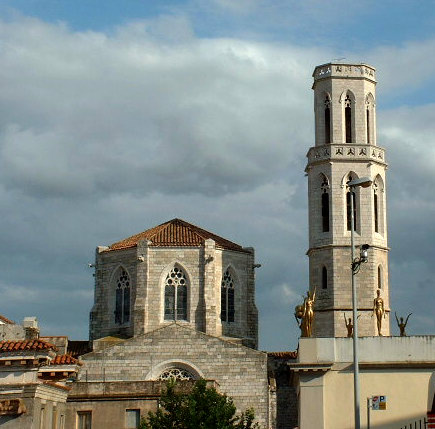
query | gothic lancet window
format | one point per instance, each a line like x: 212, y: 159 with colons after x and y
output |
x: 378, y: 204
x: 176, y: 295
x: 122, y: 297
x: 327, y: 120
x: 348, y: 118
x: 368, y: 124
x: 370, y: 113
x: 380, y: 277
x: 227, y: 297
x: 376, y: 209
x: 325, y: 204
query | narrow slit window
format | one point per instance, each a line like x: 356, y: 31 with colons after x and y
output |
x: 376, y: 211
x: 325, y: 212
x: 348, y: 119
x: 380, y: 277
x: 324, y: 278
x: 327, y: 120
x: 368, y: 125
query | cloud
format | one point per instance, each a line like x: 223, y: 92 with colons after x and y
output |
x: 91, y: 114
x: 103, y: 135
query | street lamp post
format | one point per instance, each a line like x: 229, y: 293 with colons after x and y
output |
x: 364, y: 183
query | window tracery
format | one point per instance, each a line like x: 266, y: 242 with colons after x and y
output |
x: 227, y: 297
x: 122, y: 297
x: 179, y: 374
x: 176, y: 295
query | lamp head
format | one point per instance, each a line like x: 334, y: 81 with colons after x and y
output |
x: 364, y: 256
x: 363, y: 182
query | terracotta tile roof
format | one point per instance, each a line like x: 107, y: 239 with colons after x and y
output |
x: 284, y: 355
x: 176, y: 233
x: 64, y: 360
x: 5, y: 320
x: 11, y: 346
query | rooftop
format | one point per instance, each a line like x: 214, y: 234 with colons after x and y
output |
x: 11, y: 346
x: 176, y: 233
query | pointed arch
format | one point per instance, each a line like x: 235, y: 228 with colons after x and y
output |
x: 324, y: 201
x: 355, y: 196
x: 327, y: 117
x: 380, y: 277
x: 176, y: 292
x: 165, y: 369
x: 348, y: 120
x: 370, y: 118
x: 378, y: 204
x: 121, y: 282
x: 228, y: 287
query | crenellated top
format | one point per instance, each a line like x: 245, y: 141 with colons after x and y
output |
x: 341, y: 71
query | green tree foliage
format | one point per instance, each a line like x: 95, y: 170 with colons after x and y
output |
x: 203, y: 408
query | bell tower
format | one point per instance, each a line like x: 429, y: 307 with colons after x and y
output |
x: 346, y: 149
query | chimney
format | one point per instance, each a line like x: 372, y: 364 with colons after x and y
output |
x: 31, y: 329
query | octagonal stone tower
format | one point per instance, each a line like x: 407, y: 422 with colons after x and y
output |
x: 346, y: 149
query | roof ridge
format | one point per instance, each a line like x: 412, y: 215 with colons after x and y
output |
x: 35, y: 344
x: 173, y: 233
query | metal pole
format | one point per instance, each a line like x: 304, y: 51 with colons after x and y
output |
x: 355, y: 318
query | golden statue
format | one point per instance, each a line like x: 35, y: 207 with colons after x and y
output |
x: 349, y: 325
x: 402, y: 325
x: 379, y: 310
x: 305, y: 313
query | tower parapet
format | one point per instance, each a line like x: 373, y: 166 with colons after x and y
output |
x: 338, y: 70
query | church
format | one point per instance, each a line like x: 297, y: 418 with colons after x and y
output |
x: 178, y: 301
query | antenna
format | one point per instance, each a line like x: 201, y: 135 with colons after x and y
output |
x: 337, y: 59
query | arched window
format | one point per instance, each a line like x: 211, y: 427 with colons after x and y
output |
x: 122, y: 297
x: 376, y: 209
x: 324, y: 278
x: 176, y: 295
x: 370, y: 119
x: 378, y: 190
x: 348, y: 118
x: 176, y: 374
x: 368, y: 124
x: 327, y: 120
x: 325, y: 204
x: 380, y: 279
x: 227, y: 297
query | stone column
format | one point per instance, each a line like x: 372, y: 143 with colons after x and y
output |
x: 210, y: 289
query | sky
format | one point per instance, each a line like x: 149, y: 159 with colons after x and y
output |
x: 118, y: 116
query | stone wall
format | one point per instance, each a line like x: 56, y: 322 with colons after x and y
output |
x: 147, y: 268
x: 240, y: 372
